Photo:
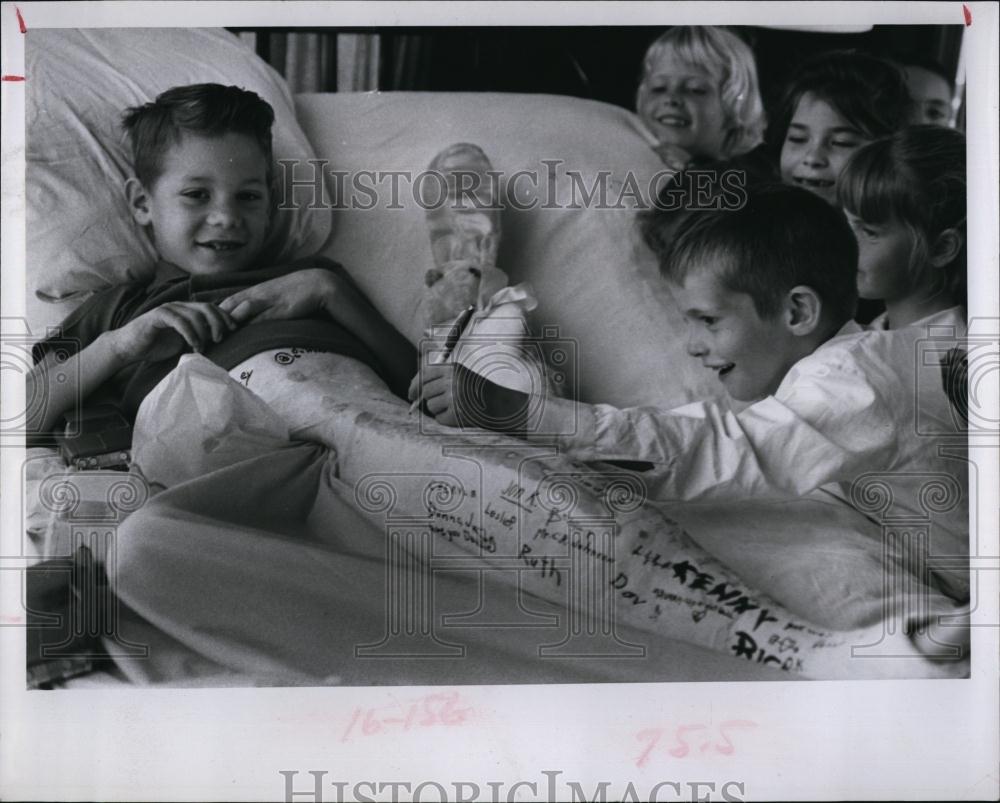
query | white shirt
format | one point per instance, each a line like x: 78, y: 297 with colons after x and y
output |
x: 864, y: 402
x: 953, y: 316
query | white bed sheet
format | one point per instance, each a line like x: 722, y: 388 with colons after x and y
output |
x: 273, y: 557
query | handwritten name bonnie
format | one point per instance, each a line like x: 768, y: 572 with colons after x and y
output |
x: 452, y: 526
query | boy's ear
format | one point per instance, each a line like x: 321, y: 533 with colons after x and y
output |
x: 803, y: 308
x: 946, y: 247
x: 138, y: 201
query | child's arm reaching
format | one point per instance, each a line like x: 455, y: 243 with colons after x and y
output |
x: 458, y: 397
x: 827, y: 431
x: 155, y: 335
x: 329, y: 290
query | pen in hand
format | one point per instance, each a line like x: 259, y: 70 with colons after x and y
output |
x: 454, y: 335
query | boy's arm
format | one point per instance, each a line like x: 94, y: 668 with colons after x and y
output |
x: 54, y: 387
x: 827, y: 432
x: 356, y: 314
x: 831, y: 429
x: 328, y: 289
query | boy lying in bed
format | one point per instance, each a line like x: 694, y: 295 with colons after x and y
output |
x: 203, y: 191
x: 769, y: 292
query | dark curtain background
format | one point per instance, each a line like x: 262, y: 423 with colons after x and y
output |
x: 588, y: 62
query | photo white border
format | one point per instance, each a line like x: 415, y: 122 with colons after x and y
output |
x: 818, y: 740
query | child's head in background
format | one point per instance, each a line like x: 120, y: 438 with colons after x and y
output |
x: 905, y: 198
x: 930, y: 90
x: 699, y: 93
x: 203, y: 170
x: 762, y: 286
x: 837, y: 103
x: 710, y: 186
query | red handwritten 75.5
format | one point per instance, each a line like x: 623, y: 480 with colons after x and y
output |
x: 692, y: 738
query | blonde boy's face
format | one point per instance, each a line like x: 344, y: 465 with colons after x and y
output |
x: 681, y: 106
x: 817, y: 145
x: 750, y: 355
x: 209, y: 210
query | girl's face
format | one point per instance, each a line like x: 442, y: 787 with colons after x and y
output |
x: 817, y: 146
x: 931, y: 97
x: 682, y: 106
x: 884, y: 259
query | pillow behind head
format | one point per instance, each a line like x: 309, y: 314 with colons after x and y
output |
x: 81, y: 235
x: 597, y: 285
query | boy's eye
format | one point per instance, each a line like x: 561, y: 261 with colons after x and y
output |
x: 197, y: 195
x: 798, y: 139
x: 251, y: 196
x: 708, y: 320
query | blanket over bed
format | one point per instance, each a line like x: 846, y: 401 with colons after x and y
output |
x: 365, y: 535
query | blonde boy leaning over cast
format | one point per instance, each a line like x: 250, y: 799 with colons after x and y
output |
x: 769, y: 293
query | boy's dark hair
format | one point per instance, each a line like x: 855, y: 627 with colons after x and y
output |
x: 869, y: 92
x: 923, y: 62
x: 722, y: 184
x: 783, y: 237
x: 206, y: 109
x: 916, y: 177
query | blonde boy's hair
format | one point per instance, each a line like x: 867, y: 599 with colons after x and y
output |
x: 727, y: 57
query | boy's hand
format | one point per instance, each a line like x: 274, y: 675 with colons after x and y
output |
x: 169, y: 330
x: 458, y: 397
x: 296, y: 295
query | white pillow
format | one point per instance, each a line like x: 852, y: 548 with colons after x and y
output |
x: 593, y: 277
x: 80, y: 234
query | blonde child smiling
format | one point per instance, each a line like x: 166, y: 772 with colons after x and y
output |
x: 699, y: 97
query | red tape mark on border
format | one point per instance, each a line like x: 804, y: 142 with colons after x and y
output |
x: 12, y: 78
x: 20, y: 20
x: 968, y: 15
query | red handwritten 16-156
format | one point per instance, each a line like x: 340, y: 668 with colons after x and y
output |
x: 430, y: 711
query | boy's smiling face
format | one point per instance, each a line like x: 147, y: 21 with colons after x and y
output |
x: 209, y: 209
x: 749, y: 354
x: 682, y: 106
x: 817, y: 145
